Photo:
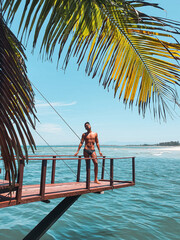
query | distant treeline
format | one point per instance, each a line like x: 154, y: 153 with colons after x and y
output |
x: 172, y: 143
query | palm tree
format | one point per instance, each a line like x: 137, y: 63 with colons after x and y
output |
x: 133, y: 52
x: 16, y: 102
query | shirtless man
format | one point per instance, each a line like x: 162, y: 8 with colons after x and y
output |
x: 90, y: 139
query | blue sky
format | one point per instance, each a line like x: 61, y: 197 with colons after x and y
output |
x: 79, y: 98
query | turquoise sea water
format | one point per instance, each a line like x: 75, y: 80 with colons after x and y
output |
x: 149, y: 210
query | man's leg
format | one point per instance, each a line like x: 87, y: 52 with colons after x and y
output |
x: 95, y: 161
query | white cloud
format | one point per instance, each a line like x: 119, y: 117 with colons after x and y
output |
x: 49, y: 128
x: 54, y: 104
x: 52, y: 134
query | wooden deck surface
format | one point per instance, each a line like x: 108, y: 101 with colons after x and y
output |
x: 31, y: 193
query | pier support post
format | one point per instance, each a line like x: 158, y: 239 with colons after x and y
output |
x: 51, y: 218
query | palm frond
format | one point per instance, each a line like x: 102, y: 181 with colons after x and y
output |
x: 16, y: 102
x: 128, y: 49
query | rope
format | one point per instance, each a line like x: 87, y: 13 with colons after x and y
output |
x: 56, y: 112
x: 53, y: 150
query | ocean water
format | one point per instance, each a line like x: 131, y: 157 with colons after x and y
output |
x: 148, y: 210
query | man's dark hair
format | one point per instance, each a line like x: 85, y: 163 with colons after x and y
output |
x: 86, y: 123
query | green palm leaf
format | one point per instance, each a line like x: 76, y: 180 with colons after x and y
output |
x: 16, y: 102
x: 128, y: 49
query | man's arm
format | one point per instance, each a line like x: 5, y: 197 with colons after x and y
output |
x: 80, y: 145
x: 97, y: 144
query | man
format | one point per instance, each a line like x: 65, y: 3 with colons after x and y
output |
x: 90, y: 139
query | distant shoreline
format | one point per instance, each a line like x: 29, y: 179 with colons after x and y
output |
x: 162, y: 144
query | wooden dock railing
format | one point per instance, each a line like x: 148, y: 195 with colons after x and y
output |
x: 44, y: 158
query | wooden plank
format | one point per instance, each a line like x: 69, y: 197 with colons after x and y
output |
x: 119, y: 181
x: 30, y: 194
x: 124, y: 185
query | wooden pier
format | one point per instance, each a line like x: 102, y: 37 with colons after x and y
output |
x: 70, y: 191
x: 22, y: 194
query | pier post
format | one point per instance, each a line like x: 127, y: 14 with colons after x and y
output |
x: 20, y: 181
x: 133, y: 169
x: 51, y: 218
x: 53, y: 170
x: 111, y: 171
x: 43, y: 178
x: 103, y: 167
x: 88, y: 174
x: 79, y: 169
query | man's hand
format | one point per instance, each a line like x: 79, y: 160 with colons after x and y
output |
x: 100, y: 153
x: 76, y: 154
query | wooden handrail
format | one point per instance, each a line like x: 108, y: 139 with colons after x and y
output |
x: 19, y: 183
x: 82, y: 158
x: 39, y: 157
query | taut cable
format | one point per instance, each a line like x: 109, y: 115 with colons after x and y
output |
x: 57, y: 112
